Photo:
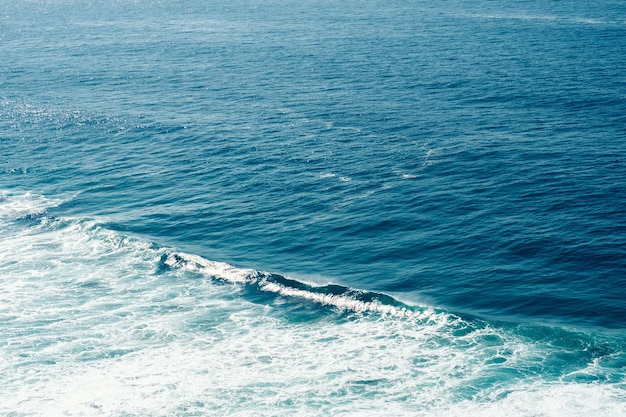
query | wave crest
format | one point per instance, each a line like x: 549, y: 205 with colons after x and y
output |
x: 340, y: 297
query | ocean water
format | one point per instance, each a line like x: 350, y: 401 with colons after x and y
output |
x: 317, y: 208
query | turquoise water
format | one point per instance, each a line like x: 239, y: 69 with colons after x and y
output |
x: 320, y: 208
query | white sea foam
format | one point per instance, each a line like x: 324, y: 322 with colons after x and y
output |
x: 327, y: 175
x: 93, y: 327
x: 215, y: 269
x: 342, y: 178
x: 15, y: 206
x: 541, y: 18
x: 553, y: 400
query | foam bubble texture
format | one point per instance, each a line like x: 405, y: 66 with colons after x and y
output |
x: 92, y: 326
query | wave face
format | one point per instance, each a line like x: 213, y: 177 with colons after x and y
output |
x: 96, y: 322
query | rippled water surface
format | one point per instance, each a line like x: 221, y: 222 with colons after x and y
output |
x: 312, y: 208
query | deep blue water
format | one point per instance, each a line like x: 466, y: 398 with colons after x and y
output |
x: 312, y: 208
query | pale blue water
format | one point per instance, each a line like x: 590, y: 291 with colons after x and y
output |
x: 312, y: 208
